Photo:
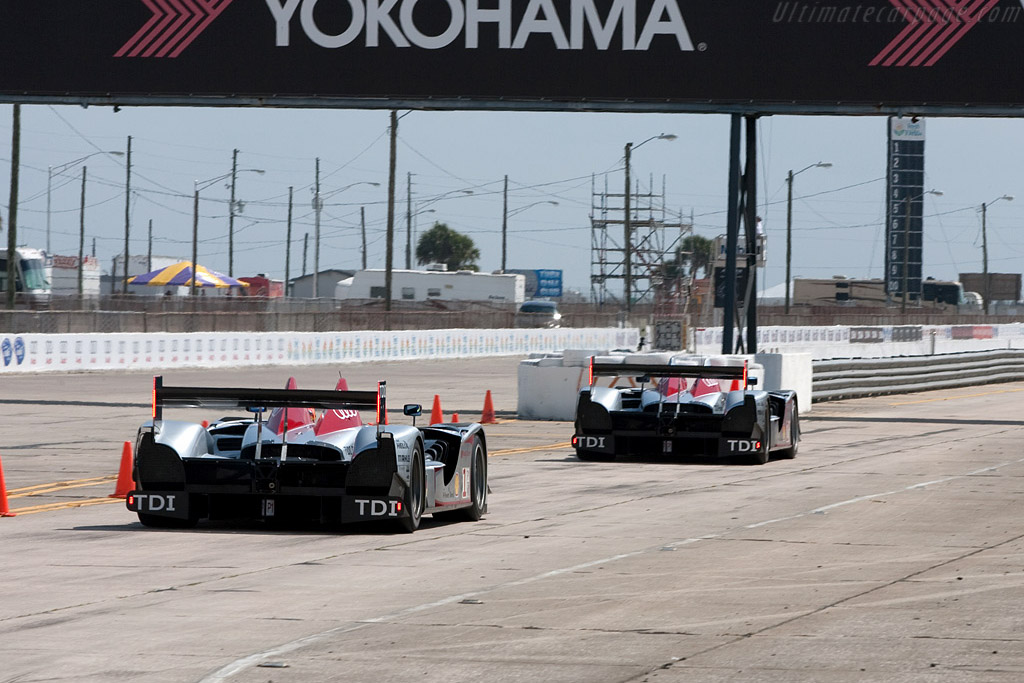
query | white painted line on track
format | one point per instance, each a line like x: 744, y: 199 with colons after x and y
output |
x: 226, y: 672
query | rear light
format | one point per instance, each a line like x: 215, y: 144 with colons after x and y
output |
x: 131, y: 500
x: 575, y: 441
x: 590, y: 381
x: 158, y: 382
x: 398, y: 505
x: 757, y: 446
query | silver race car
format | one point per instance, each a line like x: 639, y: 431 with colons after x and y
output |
x: 312, y: 458
x: 682, y: 410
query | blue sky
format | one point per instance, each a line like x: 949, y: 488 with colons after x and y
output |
x: 838, y: 213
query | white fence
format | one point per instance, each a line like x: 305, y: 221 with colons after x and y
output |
x: 86, y: 352
x: 880, y: 341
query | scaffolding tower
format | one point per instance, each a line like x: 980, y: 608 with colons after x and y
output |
x: 656, y: 235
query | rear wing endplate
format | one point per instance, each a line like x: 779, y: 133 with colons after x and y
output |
x: 664, y: 370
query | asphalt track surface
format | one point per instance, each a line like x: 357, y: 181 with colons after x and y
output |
x: 890, y: 549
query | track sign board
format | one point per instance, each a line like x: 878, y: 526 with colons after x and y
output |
x: 904, y: 213
x: 845, y: 56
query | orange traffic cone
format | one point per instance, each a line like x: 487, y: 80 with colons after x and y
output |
x: 735, y: 385
x: 125, y: 483
x: 436, y: 416
x: 455, y: 417
x: 205, y: 423
x: 488, y: 414
x: 4, y: 510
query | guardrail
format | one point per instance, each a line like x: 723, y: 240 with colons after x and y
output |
x: 853, y: 378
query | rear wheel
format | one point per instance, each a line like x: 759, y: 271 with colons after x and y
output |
x: 415, y: 493
x: 794, y: 436
x: 477, y: 484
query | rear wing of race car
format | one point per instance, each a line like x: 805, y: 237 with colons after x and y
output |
x: 664, y: 370
x: 257, y: 400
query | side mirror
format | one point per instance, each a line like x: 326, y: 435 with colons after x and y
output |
x: 752, y: 381
x: 643, y: 379
x: 413, y: 409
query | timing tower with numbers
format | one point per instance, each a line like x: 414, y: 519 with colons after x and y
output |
x: 904, y: 208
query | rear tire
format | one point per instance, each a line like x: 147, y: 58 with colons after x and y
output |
x: 477, y: 485
x: 794, y: 436
x: 414, y: 499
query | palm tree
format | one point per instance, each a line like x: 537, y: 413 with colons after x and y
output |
x: 694, y: 254
x: 698, y: 253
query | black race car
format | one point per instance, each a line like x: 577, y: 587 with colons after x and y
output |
x: 311, y: 458
x: 683, y: 410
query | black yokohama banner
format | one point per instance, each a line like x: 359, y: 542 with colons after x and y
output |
x: 940, y: 56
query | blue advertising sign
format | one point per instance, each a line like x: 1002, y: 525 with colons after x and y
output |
x: 549, y: 283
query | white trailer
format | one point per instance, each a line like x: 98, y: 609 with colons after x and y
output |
x: 64, y: 276
x: 426, y: 285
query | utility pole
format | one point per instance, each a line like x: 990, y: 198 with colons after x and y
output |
x: 12, y: 216
x: 362, y: 223
x: 305, y: 251
x: 128, y: 212
x: 504, y: 224
x: 149, y: 247
x: 94, y: 247
x: 195, y: 241
x: 231, y: 215
x: 81, y: 235
x: 288, y: 246
x: 627, y: 240
x: 390, y: 247
x: 317, y: 205
x: 789, y: 232
x: 408, y: 222
x: 984, y: 258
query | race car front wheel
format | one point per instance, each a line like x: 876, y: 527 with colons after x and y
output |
x: 415, y: 493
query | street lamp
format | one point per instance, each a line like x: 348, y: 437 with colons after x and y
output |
x: 196, y: 187
x: 627, y: 228
x: 57, y: 170
x: 984, y: 248
x: 510, y: 214
x: 318, y: 206
x: 416, y: 222
x: 906, y: 244
x: 789, y: 219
